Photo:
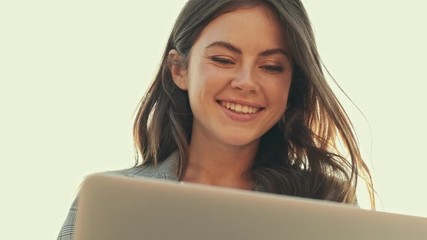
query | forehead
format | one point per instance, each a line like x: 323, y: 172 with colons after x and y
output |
x: 248, y: 28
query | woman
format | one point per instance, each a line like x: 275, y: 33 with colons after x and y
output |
x: 241, y: 101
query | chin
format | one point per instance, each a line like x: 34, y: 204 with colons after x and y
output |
x: 240, y: 141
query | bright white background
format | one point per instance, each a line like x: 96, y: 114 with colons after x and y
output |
x: 72, y: 73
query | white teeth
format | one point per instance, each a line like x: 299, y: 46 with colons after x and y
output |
x: 239, y: 108
x: 245, y: 109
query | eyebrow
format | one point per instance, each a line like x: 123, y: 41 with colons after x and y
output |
x: 237, y: 50
x: 226, y: 45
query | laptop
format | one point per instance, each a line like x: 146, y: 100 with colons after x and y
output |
x: 114, y: 207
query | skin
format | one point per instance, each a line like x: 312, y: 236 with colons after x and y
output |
x: 231, y: 66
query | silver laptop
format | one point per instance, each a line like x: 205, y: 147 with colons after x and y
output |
x: 112, y: 207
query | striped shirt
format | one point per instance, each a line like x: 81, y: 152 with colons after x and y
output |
x: 166, y: 170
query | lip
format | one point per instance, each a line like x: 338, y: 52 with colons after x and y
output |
x: 240, y: 117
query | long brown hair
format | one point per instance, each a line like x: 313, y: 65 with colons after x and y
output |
x: 299, y: 155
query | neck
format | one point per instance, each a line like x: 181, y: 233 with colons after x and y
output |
x: 220, y: 165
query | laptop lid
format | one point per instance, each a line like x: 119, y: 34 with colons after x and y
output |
x: 114, y: 207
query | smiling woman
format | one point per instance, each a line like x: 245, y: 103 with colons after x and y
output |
x: 227, y: 75
x: 240, y: 101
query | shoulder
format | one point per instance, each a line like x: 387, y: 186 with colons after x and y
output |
x: 166, y: 169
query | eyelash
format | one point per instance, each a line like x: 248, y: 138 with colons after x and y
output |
x: 222, y: 60
x: 273, y: 68
x: 268, y: 68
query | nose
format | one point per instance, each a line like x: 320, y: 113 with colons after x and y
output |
x: 245, y: 81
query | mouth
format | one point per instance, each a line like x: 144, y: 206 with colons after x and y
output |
x: 240, y: 108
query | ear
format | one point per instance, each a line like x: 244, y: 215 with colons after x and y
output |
x: 177, y: 68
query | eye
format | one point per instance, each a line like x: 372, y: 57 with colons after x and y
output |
x: 273, y: 68
x: 222, y: 60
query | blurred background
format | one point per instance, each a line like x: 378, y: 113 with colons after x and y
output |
x: 72, y: 73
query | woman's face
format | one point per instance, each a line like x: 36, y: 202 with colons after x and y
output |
x: 238, y: 77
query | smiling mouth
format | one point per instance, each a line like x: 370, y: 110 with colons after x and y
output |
x: 239, y: 108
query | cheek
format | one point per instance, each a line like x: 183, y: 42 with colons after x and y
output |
x: 205, y: 78
x: 202, y: 86
x: 278, y: 91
